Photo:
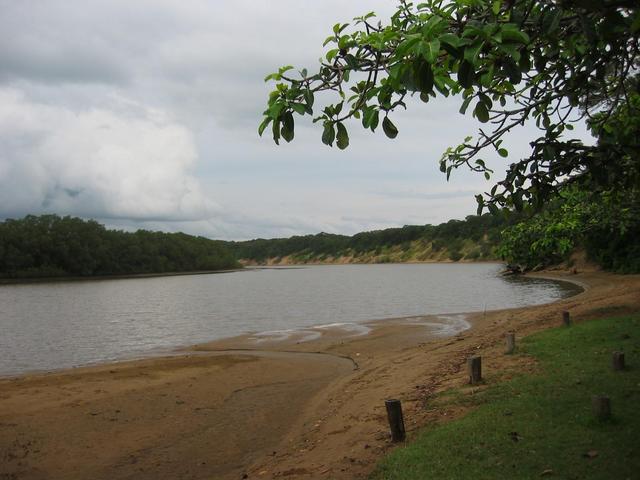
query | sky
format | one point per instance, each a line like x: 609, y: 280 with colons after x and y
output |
x: 144, y: 115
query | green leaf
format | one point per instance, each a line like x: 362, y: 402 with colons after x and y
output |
x: 465, y: 74
x: 367, y: 116
x: 503, y: 152
x: 451, y: 39
x: 513, y: 71
x: 432, y: 51
x: 328, y: 134
x: 287, y: 127
x: 423, y: 77
x: 343, y: 136
x: 517, y: 200
x: 551, y: 20
x: 299, y: 108
x: 273, y: 76
x: 487, y: 77
x: 495, y: 7
x: 328, y: 40
x: 431, y: 26
x: 275, y: 129
x: 481, y: 112
x: 472, y: 52
x: 331, y: 54
x: 375, y: 119
x: 338, y: 28
x: 465, y: 105
x: 407, y: 45
x: 265, y: 123
x: 511, y: 33
x: 389, y: 128
x: 275, y: 110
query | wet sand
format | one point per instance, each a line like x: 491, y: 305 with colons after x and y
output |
x: 280, y: 406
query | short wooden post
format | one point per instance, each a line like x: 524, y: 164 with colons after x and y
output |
x: 396, y: 421
x: 617, y: 361
x: 566, y: 319
x: 474, y: 366
x: 511, y: 343
x: 601, y: 406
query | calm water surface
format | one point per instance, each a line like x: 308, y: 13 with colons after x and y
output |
x: 59, y: 325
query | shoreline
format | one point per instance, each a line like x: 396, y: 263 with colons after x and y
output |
x: 279, y: 410
x: 302, y: 334
x: 96, y: 278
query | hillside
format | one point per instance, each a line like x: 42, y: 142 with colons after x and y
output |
x: 472, y: 239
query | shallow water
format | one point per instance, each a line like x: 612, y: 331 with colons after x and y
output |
x: 58, y: 325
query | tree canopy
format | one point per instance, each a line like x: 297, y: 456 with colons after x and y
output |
x: 53, y: 246
x: 550, y: 62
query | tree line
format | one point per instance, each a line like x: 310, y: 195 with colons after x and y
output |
x: 482, y: 230
x: 54, y: 246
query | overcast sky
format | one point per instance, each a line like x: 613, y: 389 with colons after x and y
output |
x: 144, y: 114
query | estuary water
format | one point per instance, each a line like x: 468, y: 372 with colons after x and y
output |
x: 50, y: 326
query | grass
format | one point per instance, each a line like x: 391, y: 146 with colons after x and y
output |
x: 541, y: 425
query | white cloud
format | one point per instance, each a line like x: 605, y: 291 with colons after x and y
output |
x: 126, y: 162
x: 138, y: 113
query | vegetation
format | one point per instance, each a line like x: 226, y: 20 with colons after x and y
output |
x: 605, y: 221
x: 605, y: 225
x: 53, y: 246
x: 511, y: 62
x: 539, y: 425
x: 474, y: 238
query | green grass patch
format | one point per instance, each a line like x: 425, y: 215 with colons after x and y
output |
x: 541, y: 425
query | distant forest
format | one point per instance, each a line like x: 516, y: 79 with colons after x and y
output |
x: 475, y: 238
x: 53, y: 246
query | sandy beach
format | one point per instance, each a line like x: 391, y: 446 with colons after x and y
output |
x: 267, y: 407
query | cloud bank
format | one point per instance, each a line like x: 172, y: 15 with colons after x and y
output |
x: 128, y: 162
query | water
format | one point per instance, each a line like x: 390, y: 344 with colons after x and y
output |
x: 58, y: 325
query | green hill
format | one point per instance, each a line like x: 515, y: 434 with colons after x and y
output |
x: 472, y: 239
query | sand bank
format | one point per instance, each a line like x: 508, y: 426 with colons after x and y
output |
x: 285, y: 405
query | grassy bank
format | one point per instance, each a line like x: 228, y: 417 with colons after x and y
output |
x: 540, y: 425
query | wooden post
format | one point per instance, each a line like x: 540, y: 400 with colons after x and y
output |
x: 511, y: 343
x: 396, y: 421
x: 601, y: 406
x: 566, y: 319
x: 617, y: 361
x: 474, y: 366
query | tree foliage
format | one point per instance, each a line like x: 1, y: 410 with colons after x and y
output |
x: 606, y: 225
x: 53, y: 246
x: 550, y: 62
x: 483, y: 230
x: 604, y: 221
